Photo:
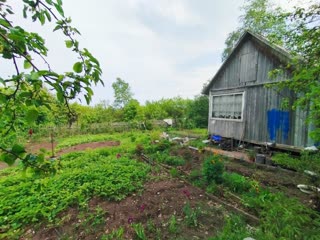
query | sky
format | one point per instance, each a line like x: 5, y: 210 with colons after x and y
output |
x: 162, y: 48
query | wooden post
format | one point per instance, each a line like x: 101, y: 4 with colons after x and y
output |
x: 52, y: 145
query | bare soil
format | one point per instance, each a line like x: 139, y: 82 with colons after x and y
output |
x: 36, y: 147
x: 153, y: 207
x: 275, y: 178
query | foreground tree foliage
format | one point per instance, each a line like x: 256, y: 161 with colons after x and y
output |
x: 303, y: 41
x: 299, y: 32
x: 22, y: 93
x: 261, y: 17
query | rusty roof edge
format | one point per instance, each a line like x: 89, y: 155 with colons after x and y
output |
x: 284, y: 53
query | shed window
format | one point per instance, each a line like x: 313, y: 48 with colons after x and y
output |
x: 227, y: 106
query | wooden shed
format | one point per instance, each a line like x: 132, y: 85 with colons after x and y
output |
x: 243, y: 108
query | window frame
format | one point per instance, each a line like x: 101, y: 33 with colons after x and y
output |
x: 227, y: 94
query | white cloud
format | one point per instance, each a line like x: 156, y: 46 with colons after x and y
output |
x: 163, y: 48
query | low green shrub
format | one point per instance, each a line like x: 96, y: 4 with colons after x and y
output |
x: 213, y: 168
x: 174, y: 161
x: 212, y: 188
x: 166, y: 158
x: 198, y: 144
x: 236, y: 182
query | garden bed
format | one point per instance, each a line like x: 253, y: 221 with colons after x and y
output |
x: 151, y: 188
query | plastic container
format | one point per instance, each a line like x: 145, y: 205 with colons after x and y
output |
x: 260, y: 158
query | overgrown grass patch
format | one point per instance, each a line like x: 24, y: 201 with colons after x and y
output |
x: 236, y: 182
x: 79, y: 139
x: 307, y: 161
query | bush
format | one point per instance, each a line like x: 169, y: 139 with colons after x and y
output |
x: 212, y: 188
x: 213, y: 168
x: 173, y: 160
x: 236, y: 183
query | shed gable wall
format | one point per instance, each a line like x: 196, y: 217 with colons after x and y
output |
x: 247, y: 70
x: 249, y: 65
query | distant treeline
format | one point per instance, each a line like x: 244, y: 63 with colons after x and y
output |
x: 186, y: 113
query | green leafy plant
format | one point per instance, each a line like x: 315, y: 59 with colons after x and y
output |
x: 234, y: 228
x: 285, y: 160
x: 82, y: 176
x: 174, y: 172
x: 213, y: 168
x: 173, y: 225
x: 282, y: 217
x: 139, y: 231
x: 114, y: 235
x: 288, y: 219
x: 191, y: 215
x: 212, y: 188
x: 236, y: 183
x: 165, y: 157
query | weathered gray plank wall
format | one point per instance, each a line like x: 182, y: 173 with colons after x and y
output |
x: 247, y: 71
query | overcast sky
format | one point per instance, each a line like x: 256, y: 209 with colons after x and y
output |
x: 162, y: 48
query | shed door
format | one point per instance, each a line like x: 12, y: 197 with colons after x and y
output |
x: 248, y: 67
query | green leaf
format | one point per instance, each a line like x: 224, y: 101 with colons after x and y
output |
x: 25, y: 95
x: 32, y: 115
x: 42, y: 18
x: 2, y: 81
x: 8, y: 158
x: 57, y: 27
x: 17, y: 149
x: 25, y: 8
x: 59, y: 9
x: 47, y: 15
x: 3, y: 98
x: 78, y: 67
x: 9, y: 11
x: 60, y: 96
x: 4, y: 23
x: 69, y: 43
x: 34, y: 75
x: 49, y: 2
x: 27, y: 64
